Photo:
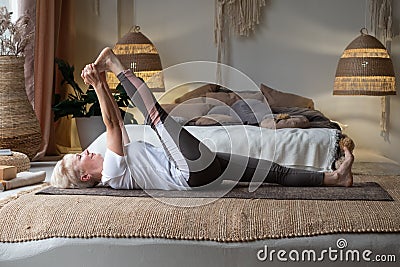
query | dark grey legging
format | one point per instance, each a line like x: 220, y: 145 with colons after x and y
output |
x: 205, y: 166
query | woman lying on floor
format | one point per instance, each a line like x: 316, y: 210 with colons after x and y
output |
x: 183, y: 162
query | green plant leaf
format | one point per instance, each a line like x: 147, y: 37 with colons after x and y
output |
x: 85, y: 104
x: 67, y: 72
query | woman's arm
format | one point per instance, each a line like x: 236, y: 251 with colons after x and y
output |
x: 111, y: 116
x: 125, y: 137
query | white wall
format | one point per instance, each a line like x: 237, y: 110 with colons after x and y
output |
x: 295, y: 49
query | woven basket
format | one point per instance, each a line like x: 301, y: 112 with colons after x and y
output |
x: 19, y: 127
x: 19, y: 160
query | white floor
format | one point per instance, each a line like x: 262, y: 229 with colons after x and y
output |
x: 364, y: 155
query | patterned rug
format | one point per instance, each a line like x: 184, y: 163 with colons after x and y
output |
x: 31, y: 216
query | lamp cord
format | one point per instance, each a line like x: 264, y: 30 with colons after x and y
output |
x: 365, y: 14
x: 364, y: 30
x: 134, y: 13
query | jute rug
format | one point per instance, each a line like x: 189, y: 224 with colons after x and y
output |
x: 359, y: 191
x: 33, y: 217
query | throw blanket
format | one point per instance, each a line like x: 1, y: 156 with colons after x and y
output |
x: 317, y: 119
x: 312, y: 149
x: 253, y: 111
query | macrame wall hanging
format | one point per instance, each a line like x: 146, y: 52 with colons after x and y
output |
x: 238, y: 17
x: 381, y: 26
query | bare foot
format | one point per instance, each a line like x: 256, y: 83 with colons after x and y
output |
x: 344, y: 171
x: 108, y: 61
x: 343, y: 175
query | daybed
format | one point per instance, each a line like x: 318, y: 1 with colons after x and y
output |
x: 71, y: 230
x: 269, y: 124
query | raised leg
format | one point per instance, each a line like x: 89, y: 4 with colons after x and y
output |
x: 191, y: 156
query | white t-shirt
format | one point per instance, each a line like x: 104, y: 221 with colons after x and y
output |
x: 144, y: 166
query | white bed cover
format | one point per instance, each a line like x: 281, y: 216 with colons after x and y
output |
x: 312, y: 149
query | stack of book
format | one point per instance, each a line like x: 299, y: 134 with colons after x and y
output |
x: 9, y: 178
x: 5, y: 152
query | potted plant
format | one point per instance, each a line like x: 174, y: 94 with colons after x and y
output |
x: 84, y: 106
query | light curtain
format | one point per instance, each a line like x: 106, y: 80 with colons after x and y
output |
x: 29, y: 7
x: 54, y: 37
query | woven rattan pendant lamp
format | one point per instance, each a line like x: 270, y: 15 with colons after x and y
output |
x: 137, y: 52
x: 365, y: 68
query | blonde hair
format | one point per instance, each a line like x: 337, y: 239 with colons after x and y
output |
x: 66, y: 175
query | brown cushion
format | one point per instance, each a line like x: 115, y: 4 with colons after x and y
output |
x: 276, y: 98
x: 252, y: 95
x: 198, y: 92
x: 188, y: 111
x: 197, y: 100
x: 220, y: 98
x: 291, y: 122
x: 232, y: 97
x: 212, y: 119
